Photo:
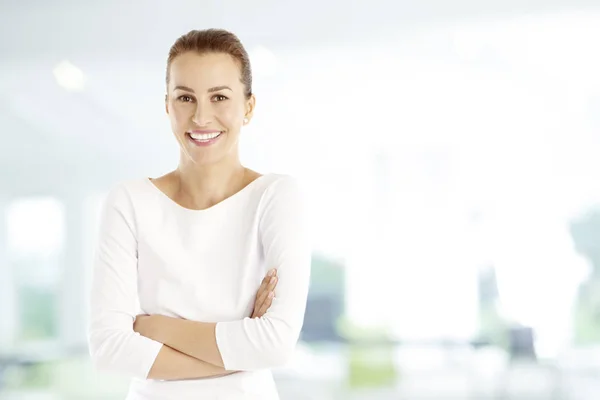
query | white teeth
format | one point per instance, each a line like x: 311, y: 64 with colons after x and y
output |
x: 204, y: 136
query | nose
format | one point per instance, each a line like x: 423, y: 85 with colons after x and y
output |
x: 202, y: 114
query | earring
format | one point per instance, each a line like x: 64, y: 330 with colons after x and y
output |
x: 245, y: 120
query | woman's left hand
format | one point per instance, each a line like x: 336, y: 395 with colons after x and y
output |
x: 265, y: 294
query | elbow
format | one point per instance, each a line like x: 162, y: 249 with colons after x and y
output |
x: 114, y: 347
x: 98, y: 344
x: 100, y: 363
x: 122, y: 351
x: 256, y: 344
x: 275, y: 356
x: 104, y: 337
x: 282, y: 354
x: 283, y: 348
x: 107, y: 350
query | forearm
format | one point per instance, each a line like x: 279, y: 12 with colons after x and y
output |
x: 171, y: 364
x: 195, y: 339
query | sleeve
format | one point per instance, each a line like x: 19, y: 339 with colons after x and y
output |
x: 267, y: 342
x: 113, y: 344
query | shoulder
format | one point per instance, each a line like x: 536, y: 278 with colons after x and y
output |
x: 277, y: 185
x: 284, y: 208
x: 125, y: 193
x: 282, y: 191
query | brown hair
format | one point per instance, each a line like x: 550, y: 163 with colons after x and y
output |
x: 214, y: 41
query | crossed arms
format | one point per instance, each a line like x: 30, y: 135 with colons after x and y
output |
x: 190, y: 349
x: 160, y: 347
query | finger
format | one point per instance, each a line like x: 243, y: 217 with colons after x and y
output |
x: 264, y: 283
x: 263, y: 291
x: 266, y: 304
x: 260, y: 299
x: 266, y: 279
x: 272, y: 283
x: 263, y: 302
x: 261, y: 296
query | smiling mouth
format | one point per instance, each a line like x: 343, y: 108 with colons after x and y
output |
x: 204, y: 137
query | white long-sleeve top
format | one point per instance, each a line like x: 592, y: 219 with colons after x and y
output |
x: 157, y: 257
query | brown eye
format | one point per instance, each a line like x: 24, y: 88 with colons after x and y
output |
x: 185, y: 98
x: 219, y: 97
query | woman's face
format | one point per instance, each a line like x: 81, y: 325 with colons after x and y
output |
x: 207, y: 106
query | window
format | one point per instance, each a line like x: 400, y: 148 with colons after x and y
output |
x: 36, y: 233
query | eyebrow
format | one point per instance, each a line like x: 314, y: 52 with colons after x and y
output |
x: 212, y: 89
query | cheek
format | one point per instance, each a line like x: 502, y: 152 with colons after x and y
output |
x: 232, y: 116
x: 179, y: 116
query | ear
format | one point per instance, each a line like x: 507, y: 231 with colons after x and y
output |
x: 167, y: 103
x: 250, y: 104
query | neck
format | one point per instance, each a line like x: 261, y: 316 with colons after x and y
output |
x: 203, y: 186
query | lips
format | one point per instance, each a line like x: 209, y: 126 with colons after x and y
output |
x: 204, y: 138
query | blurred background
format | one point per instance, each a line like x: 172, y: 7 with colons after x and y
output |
x: 449, y: 149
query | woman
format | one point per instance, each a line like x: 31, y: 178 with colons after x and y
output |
x: 187, y: 251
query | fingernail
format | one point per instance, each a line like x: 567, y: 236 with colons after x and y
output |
x: 271, y: 272
x: 272, y: 280
x: 271, y: 294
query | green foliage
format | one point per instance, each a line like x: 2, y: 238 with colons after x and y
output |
x: 38, y: 316
x: 371, y: 356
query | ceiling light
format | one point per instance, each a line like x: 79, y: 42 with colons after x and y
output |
x: 69, y: 76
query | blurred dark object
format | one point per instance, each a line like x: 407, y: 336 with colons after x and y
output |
x: 326, y: 299
x: 322, y: 312
x: 521, y: 344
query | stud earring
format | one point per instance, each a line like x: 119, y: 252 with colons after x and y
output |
x: 245, y: 120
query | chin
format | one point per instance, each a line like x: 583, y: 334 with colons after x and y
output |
x: 205, y: 158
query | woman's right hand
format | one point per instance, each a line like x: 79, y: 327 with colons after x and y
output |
x: 265, y: 294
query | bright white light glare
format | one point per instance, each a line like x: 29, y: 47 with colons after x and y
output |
x: 264, y: 62
x: 36, y: 226
x: 69, y: 76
